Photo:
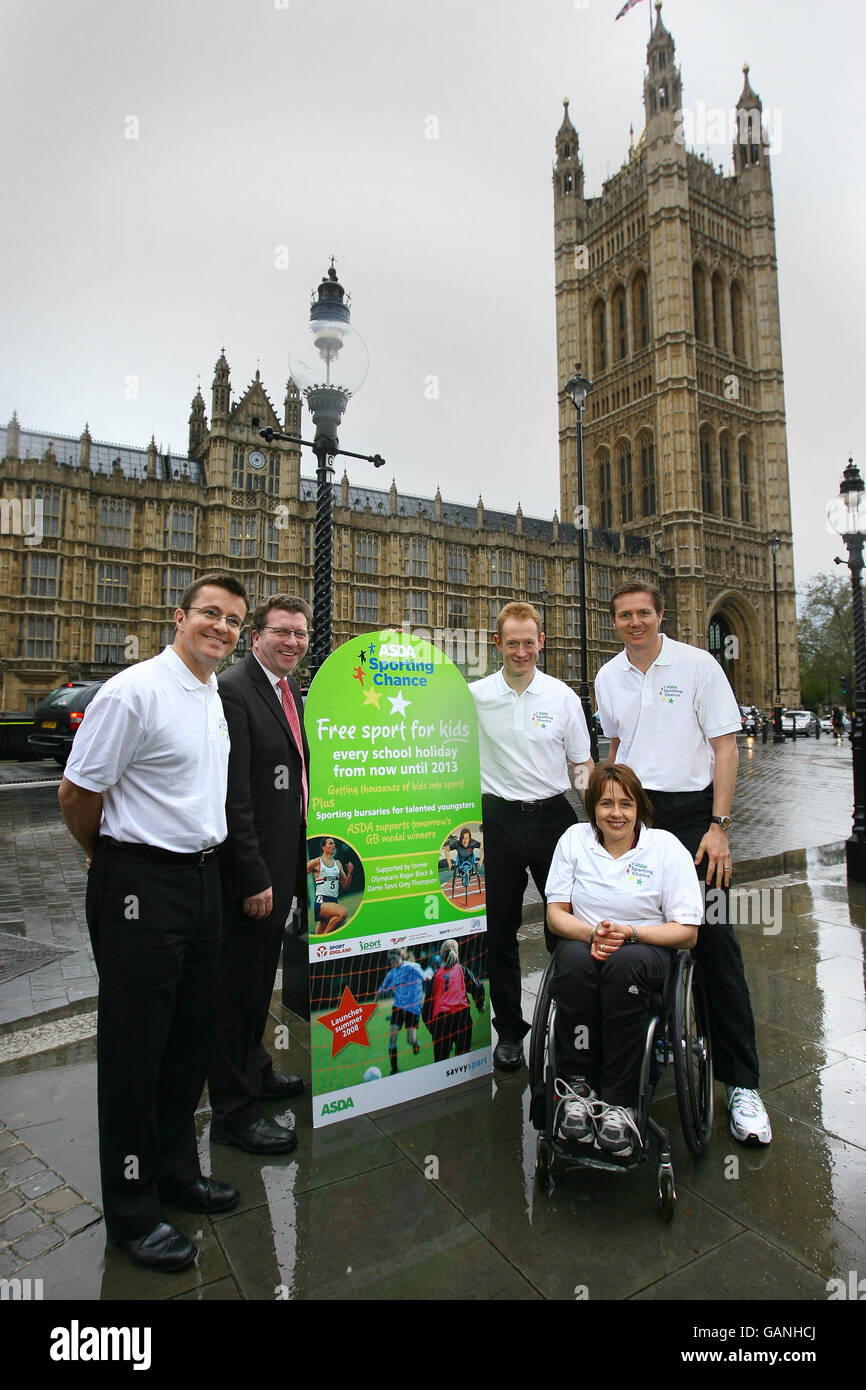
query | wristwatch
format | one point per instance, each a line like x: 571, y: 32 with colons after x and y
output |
x: 632, y: 941
x: 724, y: 821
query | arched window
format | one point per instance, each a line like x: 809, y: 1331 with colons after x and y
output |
x: 640, y: 311
x: 745, y: 481
x: 619, y: 329
x: 720, y: 336
x: 737, y: 333
x: 725, y: 472
x: 648, y: 475
x: 599, y: 336
x: 626, y: 488
x: 706, y: 472
x: 605, y: 495
x: 699, y: 302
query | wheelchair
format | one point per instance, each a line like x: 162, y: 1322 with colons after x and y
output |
x: 467, y: 869
x: 677, y: 1034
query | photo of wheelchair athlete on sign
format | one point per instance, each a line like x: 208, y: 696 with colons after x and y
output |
x: 622, y: 898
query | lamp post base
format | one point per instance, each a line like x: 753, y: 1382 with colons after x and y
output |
x: 855, y: 855
x: 778, y: 734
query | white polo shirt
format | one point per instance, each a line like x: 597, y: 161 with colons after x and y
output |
x: 154, y: 741
x: 665, y: 718
x: 524, y: 740
x: 654, y: 882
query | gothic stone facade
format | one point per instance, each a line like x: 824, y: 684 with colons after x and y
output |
x: 125, y: 530
x: 667, y: 295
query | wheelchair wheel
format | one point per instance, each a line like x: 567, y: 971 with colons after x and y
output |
x: 538, y: 1036
x: 693, y: 1056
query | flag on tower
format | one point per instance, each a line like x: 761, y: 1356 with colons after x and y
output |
x: 629, y: 5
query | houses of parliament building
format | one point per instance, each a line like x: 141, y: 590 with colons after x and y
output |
x: 667, y: 296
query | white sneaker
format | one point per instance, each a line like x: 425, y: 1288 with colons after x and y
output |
x: 750, y: 1122
x: 618, y: 1133
x: 575, y: 1110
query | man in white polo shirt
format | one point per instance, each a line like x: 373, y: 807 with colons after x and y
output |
x: 144, y: 795
x: 530, y: 728
x: 672, y: 716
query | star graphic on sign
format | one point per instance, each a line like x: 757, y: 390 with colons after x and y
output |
x: 348, y: 1024
x: 398, y: 704
x: 373, y: 697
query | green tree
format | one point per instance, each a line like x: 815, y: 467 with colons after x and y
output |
x: 826, y: 639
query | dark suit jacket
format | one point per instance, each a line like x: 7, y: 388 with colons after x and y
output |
x: 266, y: 842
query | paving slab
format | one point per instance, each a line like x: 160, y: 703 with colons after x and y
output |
x: 744, y: 1268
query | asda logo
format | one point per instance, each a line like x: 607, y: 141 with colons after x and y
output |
x: 332, y: 1106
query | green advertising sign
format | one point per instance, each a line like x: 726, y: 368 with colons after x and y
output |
x: 396, y: 888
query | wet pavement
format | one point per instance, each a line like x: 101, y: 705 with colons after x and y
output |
x: 437, y: 1199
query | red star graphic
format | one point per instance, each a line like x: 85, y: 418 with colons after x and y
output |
x: 348, y: 1023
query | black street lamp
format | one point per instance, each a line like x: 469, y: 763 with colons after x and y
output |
x: 687, y: 633
x: 545, y: 595
x: 577, y: 389
x: 328, y: 361
x: 778, y: 733
x: 846, y: 515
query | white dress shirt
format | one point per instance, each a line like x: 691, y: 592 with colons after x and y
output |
x: 527, y: 740
x: 665, y: 718
x: 154, y: 741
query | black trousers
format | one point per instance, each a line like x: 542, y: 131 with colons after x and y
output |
x: 451, y: 1031
x: 602, y: 1013
x: 732, y: 1026
x: 155, y: 930
x: 241, y: 1063
x: 516, y: 842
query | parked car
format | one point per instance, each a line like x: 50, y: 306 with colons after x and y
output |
x: 827, y: 724
x: 804, y: 720
x: 58, y: 717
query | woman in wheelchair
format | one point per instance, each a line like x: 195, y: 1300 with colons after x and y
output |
x: 620, y: 897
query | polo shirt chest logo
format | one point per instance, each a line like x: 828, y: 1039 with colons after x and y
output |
x: 670, y: 693
x: 639, y: 873
x: 222, y: 726
x: 541, y: 718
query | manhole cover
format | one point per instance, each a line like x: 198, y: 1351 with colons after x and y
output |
x: 19, y: 956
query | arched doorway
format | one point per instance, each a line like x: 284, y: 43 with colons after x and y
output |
x: 722, y: 644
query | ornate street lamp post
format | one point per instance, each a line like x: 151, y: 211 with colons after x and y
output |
x: 687, y: 634
x: 846, y: 515
x: 328, y: 361
x: 578, y: 389
x: 778, y: 733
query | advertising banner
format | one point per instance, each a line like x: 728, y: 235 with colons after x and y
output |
x: 399, y: 1000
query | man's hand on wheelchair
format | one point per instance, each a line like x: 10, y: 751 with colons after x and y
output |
x: 607, y: 938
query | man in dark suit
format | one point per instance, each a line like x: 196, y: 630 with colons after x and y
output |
x: 263, y: 866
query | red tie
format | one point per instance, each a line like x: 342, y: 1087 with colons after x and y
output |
x: 291, y: 712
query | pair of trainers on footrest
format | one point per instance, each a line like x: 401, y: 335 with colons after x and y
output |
x: 582, y: 1117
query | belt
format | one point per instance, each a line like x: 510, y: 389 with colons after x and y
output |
x: 160, y: 856
x: 525, y: 805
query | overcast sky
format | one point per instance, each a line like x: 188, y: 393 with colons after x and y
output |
x: 305, y: 124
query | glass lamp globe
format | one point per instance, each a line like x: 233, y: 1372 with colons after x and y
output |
x: 846, y: 514
x: 331, y: 354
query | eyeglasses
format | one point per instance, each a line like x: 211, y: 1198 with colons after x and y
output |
x: 286, y: 632
x: 214, y: 615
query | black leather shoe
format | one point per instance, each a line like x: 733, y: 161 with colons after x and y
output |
x: 276, y: 1087
x: 260, y: 1137
x: 166, y: 1248
x: 508, y: 1056
x: 205, y: 1194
